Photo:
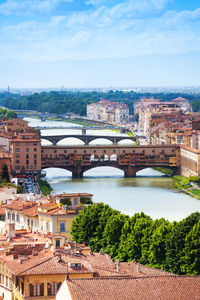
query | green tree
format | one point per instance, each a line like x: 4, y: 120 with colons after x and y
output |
x: 66, y: 201
x: 89, y: 226
x: 175, y: 242
x: 132, y: 233
x: 112, y: 233
x: 191, y: 258
x: 4, y: 173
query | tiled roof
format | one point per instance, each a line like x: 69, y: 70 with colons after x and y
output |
x: 54, y: 265
x: 20, y: 205
x: 131, y: 288
x: 190, y: 149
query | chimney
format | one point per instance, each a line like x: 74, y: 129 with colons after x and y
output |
x: 118, y: 265
x: 138, y: 269
x: 35, y: 252
x: 15, y: 256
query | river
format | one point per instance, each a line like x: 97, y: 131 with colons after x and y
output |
x: 148, y: 192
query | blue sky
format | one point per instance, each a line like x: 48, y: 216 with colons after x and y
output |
x: 54, y: 30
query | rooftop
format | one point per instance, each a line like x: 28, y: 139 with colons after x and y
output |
x: 130, y: 288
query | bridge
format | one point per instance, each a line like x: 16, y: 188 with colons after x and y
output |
x: 130, y: 159
x: 54, y: 139
x: 43, y: 116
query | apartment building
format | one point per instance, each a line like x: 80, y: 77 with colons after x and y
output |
x: 108, y: 111
x: 26, y: 153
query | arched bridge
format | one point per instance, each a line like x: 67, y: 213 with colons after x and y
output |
x: 42, y: 116
x: 54, y: 139
x: 130, y: 159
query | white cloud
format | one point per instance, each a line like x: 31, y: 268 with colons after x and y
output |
x: 120, y: 31
x: 23, y: 7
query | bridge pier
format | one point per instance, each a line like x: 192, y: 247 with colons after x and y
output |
x: 130, y: 172
x: 77, y: 172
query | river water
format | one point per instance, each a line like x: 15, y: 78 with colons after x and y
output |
x: 148, y: 192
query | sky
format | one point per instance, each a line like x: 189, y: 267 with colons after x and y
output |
x: 44, y: 33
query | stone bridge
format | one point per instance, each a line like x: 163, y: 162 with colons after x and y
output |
x: 130, y: 159
x: 42, y: 116
x: 54, y: 139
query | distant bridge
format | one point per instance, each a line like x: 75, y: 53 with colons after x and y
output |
x: 42, y: 116
x: 130, y: 159
x: 54, y: 139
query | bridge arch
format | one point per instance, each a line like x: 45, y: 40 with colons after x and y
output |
x: 70, y: 141
x: 101, y: 141
x: 126, y: 141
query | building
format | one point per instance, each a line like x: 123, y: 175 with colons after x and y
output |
x: 41, y: 217
x: 76, y: 199
x: 15, y: 126
x: 108, y: 111
x: 26, y: 153
x: 190, y: 161
x: 130, y: 288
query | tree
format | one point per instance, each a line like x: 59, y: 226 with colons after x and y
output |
x: 132, y: 233
x: 89, y: 226
x: 175, y: 242
x: 112, y: 233
x: 66, y: 201
x: 191, y: 259
x: 4, y: 173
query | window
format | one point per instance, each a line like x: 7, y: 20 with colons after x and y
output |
x: 35, y: 149
x: 27, y: 162
x: 36, y: 289
x: 17, y: 161
x: 8, y: 216
x: 13, y: 217
x: 18, y: 218
x: 28, y: 222
x: 27, y: 149
x: 54, y: 288
x: 17, y: 167
x: 35, y: 224
x: 31, y: 223
x: 47, y: 226
x: 35, y: 156
x: 62, y: 226
x: 75, y: 201
x: 27, y: 156
x: 17, y: 150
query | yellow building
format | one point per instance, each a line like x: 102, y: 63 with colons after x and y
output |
x: 54, y: 219
x: 43, y: 218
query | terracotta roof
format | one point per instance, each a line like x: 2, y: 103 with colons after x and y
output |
x: 20, y: 205
x: 32, y: 211
x: 56, y: 265
x: 73, y: 194
x: 130, y: 288
x: 190, y: 149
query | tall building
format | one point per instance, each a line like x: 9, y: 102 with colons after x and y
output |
x: 26, y: 153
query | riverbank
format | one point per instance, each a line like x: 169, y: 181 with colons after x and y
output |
x: 189, y: 186
x: 45, y: 187
x: 163, y: 170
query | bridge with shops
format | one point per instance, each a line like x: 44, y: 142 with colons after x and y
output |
x: 130, y: 159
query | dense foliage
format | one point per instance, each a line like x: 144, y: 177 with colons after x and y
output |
x: 63, y: 102
x: 174, y: 247
x: 8, y: 114
x: 45, y: 187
